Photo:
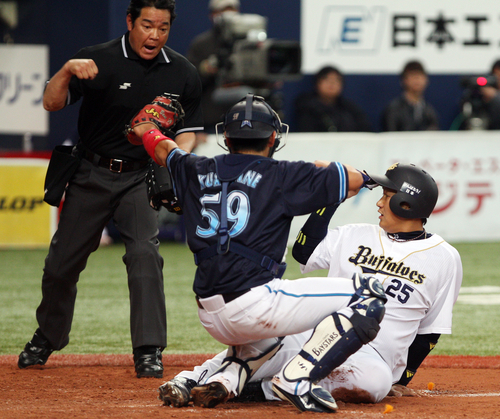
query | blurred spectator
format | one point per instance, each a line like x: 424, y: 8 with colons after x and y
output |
x: 495, y: 70
x: 491, y: 99
x: 325, y: 109
x: 6, y: 23
x: 203, y: 53
x: 410, y: 111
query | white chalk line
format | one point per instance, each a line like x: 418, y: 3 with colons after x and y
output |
x: 482, y: 295
x: 445, y: 394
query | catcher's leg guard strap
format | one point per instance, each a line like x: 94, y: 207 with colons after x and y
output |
x: 368, y: 304
x: 247, y: 368
x: 365, y: 327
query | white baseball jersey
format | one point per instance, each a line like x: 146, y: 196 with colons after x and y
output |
x: 421, y: 279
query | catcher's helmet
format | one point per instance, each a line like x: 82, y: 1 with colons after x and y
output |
x: 416, y: 191
x: 252, y: 119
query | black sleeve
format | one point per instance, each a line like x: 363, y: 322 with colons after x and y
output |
x: 312, y: 233
x: 191, y: 99
x: 361, y: 123
x: 419, y: 349
x: 390, y: 118
x: 493, y: 110
x: 309, y: 115
x: 432, y: 119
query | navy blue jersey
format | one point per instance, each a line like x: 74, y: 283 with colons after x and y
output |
x: 262, y: 200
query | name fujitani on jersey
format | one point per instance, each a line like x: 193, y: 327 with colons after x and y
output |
x: 371, y: 263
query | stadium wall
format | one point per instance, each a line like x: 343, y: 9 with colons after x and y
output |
x: 465, y: 165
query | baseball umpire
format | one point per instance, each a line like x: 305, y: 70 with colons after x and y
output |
x: 241, y: 207
x: 115, y: 80
x: 421, y: 274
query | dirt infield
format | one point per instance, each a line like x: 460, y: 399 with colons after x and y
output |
x: 104, y: 386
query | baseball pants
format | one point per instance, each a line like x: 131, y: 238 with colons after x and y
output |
x: 95, y: 196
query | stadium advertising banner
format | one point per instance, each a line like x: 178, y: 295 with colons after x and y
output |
x: 465, y: 165
x: 379, y: 36
x: 23, y: 72
x: 25, y: 220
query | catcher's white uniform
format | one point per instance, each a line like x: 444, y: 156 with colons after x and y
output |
x: 421, y: 279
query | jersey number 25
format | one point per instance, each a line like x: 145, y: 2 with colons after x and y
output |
x: 399, y: 291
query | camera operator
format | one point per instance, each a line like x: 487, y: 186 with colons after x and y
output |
x: 491, y: 98
x: 203, y: 53
x: 481, y: 101
x: 236, y: 57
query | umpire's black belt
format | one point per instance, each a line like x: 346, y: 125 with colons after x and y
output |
x: 228, y: 297
x: 114, y: 165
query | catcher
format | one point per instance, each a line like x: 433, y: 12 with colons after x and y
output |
x: 241, y: 206
x: 115, y: 80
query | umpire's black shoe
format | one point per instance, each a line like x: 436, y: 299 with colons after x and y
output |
x: 147, y: 361
x: 36, y: 351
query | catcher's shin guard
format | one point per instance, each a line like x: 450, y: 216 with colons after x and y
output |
x: 337, y: 337
x: 245, y: 369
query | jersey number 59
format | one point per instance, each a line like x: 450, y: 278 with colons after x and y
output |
x: 238, y: 212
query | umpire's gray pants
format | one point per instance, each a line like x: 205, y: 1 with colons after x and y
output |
x: 96, y: 195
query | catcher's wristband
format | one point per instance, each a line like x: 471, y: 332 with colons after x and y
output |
x: 150, y: 140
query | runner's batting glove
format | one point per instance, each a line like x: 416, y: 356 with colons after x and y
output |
x: 368, y: 182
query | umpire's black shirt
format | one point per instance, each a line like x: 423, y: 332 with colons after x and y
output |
x: 124, y: 84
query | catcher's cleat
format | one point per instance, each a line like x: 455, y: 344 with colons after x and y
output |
x: 315, y: 400
x: 252, y: 392
x: 176, y: 392
x: 147, y: 361
x: 209, y: 395
x: 36, y: 351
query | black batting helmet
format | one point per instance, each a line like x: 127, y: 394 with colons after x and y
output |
x: 416, y: 191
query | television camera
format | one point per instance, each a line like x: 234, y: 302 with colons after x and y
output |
x: 248, y: 61
x: 474, y: 108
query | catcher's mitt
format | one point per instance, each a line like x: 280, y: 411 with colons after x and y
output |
x: 160, y: 189
x: 165, y: 111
